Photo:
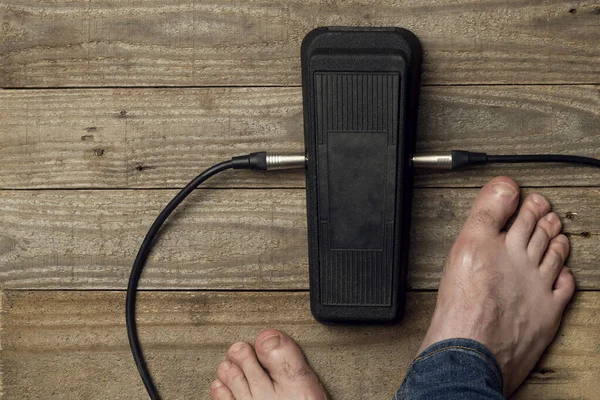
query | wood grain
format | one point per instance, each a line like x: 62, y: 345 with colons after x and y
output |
x: 140, y: 138
x: 74, y: 345
x: 183, y: 42
x: 222, y: 239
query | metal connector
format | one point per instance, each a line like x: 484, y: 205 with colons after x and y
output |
x: 285, y: 161
x: 432, y: 160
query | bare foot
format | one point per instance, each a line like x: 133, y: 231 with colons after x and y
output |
x: 279, y: 373
x: 506, y: 290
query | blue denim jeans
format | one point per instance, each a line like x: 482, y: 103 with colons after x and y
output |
x: 453, y: 369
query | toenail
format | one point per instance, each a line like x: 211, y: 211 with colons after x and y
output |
x: 216, y: 384
x: 563, y: 239
x: 550, y: 217
x: 504, y: 189
x: 537, y: 200
x: 236, y: 347
x: 270, y: 342
x: 225, y: 365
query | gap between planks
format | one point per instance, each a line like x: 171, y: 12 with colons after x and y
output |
x: 24, y: 88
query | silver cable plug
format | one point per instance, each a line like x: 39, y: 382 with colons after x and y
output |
x: 276, y: 161
x: 454, y: 159
x: 432, y: 160
x: 264, y: 161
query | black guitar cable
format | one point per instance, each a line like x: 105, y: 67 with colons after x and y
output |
x: 457, y: 159
x: 263, y: 161
x: 256, y: 161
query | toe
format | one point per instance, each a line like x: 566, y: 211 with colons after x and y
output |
x: 546, y: 229
x: 533, y: 208
x: 554, y: 258
x: 564, y: 287
x: 494, y: 204
x: 233, y: 377
x: 243, y: 356
x: 218, y: 391
x: 284, y: 360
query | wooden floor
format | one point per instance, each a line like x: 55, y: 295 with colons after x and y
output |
x: 107, y: 107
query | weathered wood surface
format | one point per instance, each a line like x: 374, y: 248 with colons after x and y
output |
x: 135, y: 138
x: 223, y: 239
x: 183, y: 42
x: 73, y: 345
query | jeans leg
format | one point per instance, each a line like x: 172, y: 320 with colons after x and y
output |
x: 453, y: 369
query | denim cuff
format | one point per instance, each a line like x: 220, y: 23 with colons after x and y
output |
x: 453, y: 369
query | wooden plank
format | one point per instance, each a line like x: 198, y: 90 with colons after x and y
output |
x: 74, y: 345
x: 183, y: 42
x: 223, y: 239
x: 139, y: 138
